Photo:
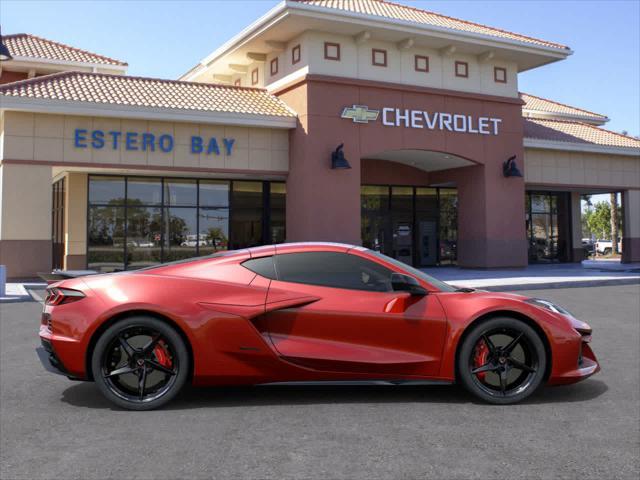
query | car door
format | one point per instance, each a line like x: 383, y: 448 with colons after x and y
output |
x: 351, y: 320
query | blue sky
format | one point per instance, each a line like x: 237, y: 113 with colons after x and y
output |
x: 166, y: 38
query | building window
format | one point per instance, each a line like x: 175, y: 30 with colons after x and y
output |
x: 500, y: 74
x: 295, y: 54
x: 421, y: 63
x: 135, y: 222
x: 238, y: 82
x: 378, y: 57
x: 273, y: 67
x: 462, y: 69
x: 331, y: 51
x: 254, y: 76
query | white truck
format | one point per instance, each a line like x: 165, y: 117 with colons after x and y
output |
x: 605, y: 247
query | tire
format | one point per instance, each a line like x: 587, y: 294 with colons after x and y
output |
x: 607, y: 251
x: 140, y: 363
x: 491, y: 371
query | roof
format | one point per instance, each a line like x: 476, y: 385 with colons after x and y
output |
x: 395, y: 11
x: 122, y: 90
x: 31, y: 46
x: 544, y: 105
x: 575, y: 132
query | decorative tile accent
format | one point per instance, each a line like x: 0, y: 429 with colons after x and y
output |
x: 462, y: 69
x: 500, y: 74
x: 331, y: 51
x: 421, y: 63
x: 378, y: 57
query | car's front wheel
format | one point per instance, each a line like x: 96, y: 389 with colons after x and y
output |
x: 502, y: 360
x: 140, y: 363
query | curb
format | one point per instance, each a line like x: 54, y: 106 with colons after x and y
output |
x: 551, y: 285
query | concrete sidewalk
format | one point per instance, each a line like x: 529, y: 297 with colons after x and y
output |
x: 536, y: 276
x: 20, y: 292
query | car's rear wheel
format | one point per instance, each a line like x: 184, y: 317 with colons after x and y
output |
x: 502, y: 360
x: 140, y: 363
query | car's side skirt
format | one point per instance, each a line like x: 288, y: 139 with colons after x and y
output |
x: 361, y: 382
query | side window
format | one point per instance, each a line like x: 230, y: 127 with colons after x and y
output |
x: 333, y: 269
x: 263, y: 266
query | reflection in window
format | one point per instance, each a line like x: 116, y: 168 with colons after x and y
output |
x: 144, y: 235
x: 144, y: 191
x: 180, y: 238
x: 105, y: 242
x: 180, y: 193
x: 106, y: 190
x: 214, y: 230
x: 214, y: 193
x: 171, y: 219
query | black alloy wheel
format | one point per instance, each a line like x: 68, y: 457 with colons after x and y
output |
x: 502, y: 361
x: 140, y: 363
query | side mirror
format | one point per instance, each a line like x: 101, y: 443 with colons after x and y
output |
x: 406, y: 283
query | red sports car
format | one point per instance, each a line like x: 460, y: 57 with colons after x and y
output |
x: 310, y: 312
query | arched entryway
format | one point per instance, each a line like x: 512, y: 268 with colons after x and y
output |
x: 404, y: 213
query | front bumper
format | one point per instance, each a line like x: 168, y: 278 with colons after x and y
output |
x: 587, y: 365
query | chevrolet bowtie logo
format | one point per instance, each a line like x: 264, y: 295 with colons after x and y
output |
x: 360, y: 114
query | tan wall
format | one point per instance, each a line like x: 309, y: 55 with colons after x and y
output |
x: 75, y: 214
x: 26, y: 202
x: 355, y: 62
x: 50, y: 138
x: 553, y: 167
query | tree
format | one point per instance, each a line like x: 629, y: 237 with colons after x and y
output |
x: 614, y: 222
x: 598, y: 220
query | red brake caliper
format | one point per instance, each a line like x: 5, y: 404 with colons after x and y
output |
x: 161, y: 355
x: 480, y: 358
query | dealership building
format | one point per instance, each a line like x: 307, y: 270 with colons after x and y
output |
x: 365, y: 122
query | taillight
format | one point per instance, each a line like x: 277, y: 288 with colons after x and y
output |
x: 60, y: 296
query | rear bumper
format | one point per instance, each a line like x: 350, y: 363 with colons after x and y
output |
x: 50, y: 361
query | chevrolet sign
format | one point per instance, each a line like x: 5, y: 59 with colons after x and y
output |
x: 402, y: 117
x: 360, y: 114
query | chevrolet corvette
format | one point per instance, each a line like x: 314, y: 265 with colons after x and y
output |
x: 305, y: 312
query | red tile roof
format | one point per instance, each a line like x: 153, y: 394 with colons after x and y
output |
x: 575, y: 132
x: 544, y: 105
x: 395, y: 11
x: 31, y: 46
x: 103, y: 88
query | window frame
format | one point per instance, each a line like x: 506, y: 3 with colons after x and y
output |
x: 274, y: 62
x: 296, y: 54
x: 327, y: 45
x: 417, y: 58
x: 465, y: 65
x: 495, y: 74
x: 375, y: 51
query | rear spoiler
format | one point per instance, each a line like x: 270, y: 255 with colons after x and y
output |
x: 57, y: 275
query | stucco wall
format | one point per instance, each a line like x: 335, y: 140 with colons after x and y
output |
x: 554, y: 167
x: 50, y: 138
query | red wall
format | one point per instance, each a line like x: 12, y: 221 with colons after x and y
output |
x: 324, y: 204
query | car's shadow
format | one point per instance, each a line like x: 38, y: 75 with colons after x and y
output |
x: 87, y: 395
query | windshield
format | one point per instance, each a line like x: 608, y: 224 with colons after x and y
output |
x: 440, y: 285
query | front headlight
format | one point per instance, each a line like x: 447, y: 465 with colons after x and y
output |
x: 546, y: 304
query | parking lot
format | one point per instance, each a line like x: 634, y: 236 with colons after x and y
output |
x: 54, y: 428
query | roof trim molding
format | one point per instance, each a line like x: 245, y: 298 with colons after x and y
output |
x: 288, y: 7
x: 547, y: 115
x: 563, y: 51
x: 35, y: 61
x: 67, y: 107
x: 580, y: 147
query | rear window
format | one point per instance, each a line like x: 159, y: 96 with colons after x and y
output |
x: 263, y: 266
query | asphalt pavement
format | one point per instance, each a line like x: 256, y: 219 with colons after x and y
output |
x: 51, y: 427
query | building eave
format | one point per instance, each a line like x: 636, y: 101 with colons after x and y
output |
x: 581, y: 147
x: 48, y: 62
x: 529, y: 113
x: 66, y: 107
